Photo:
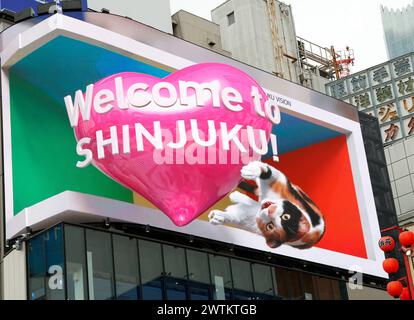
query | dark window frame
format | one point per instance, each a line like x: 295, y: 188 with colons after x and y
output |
x: 162, y: 243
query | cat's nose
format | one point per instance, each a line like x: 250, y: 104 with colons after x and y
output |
x: 272, y: 210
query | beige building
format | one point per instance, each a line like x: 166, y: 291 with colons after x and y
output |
x: 199, y: 31
x: 262, y: 33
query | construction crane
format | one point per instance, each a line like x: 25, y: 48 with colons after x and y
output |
x: 342, y: 61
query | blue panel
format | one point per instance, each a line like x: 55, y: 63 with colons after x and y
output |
x: 293, y: 133
x: 67, y: 65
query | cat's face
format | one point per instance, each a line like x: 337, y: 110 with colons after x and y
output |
x: 281, y: 221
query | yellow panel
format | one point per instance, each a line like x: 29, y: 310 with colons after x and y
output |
x: 221, y: 205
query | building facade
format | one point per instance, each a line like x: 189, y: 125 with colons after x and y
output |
x: 199, y: 31
x: 68, y: 238
x: 155, y: 13
x: 386, y: 91
x: 398, y: 27
x: 246, y: 32
x: 262, y: 33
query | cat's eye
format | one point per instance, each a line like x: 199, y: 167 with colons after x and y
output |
x: 285, y: 216
x: 270, y: 226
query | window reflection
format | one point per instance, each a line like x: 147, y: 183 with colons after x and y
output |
x: 150, y: 258
x: 126, y: 268
x: 75, y: 263
x: 295, y: 285
x: 37, y: 268
x: 242, y: 280
x: 100, y: 265
x: 263, y: 282
x: 54, y: 264
x: 221, y: 277
x: 199, y: 275
x: 175, y: 273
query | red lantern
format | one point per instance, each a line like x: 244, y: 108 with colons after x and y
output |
x: 390, y: 265
x: 394, y: 288
x: 386, y: 243
x: 405, y: 295
x: 406, y: 238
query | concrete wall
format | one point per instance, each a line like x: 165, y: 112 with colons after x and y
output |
x: 155, y: 13
x: 198, y: 31
x: 13, y: 268
x: 249, y: 39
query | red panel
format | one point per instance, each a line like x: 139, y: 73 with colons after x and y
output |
x: 324, y: 172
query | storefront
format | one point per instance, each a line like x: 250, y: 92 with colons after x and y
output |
x: 90, y: 215
x: 99, y: 264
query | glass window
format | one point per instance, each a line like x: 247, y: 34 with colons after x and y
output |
x: 230, y: 18
x: 308, y: 286
x: 54, y: 264
x: 126, y: 268
x: 221, y: 277
x: 175, y: 272
x: 295, y: 285
x: 263, y: 281
x: 199, y: 275
x: 282, y: 283
x: 75, y: 263
x: 100, y: 265
x: 46, y: 266
x: 37, y: 268
x: 242, y: 280
x: 150, y: 259
x: 327, y: 289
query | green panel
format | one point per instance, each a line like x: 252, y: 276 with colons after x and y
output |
x: 44, y: 151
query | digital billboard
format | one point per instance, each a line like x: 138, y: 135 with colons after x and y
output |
x: 98, y: 126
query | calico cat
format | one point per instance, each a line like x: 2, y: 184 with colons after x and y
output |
x: 283, y: 215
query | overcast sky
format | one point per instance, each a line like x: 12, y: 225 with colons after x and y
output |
x: 356, y: 23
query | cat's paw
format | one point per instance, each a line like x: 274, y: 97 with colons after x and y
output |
x: 253, y: 170
x: 237, y: 197
x: 217, y: 217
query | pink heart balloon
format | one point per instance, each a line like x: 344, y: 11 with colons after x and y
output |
x: 185, y: 190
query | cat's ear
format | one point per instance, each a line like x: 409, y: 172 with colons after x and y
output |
x: 273, y: 244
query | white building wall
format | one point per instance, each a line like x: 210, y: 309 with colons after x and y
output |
x: 14, y: 275
x: 249, y: 39
x: 155, y: 13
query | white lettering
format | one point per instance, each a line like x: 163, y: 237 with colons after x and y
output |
x: 155, y: 140
x: 84, y: 152
x: 80, y: 103
x: 112, y: 141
